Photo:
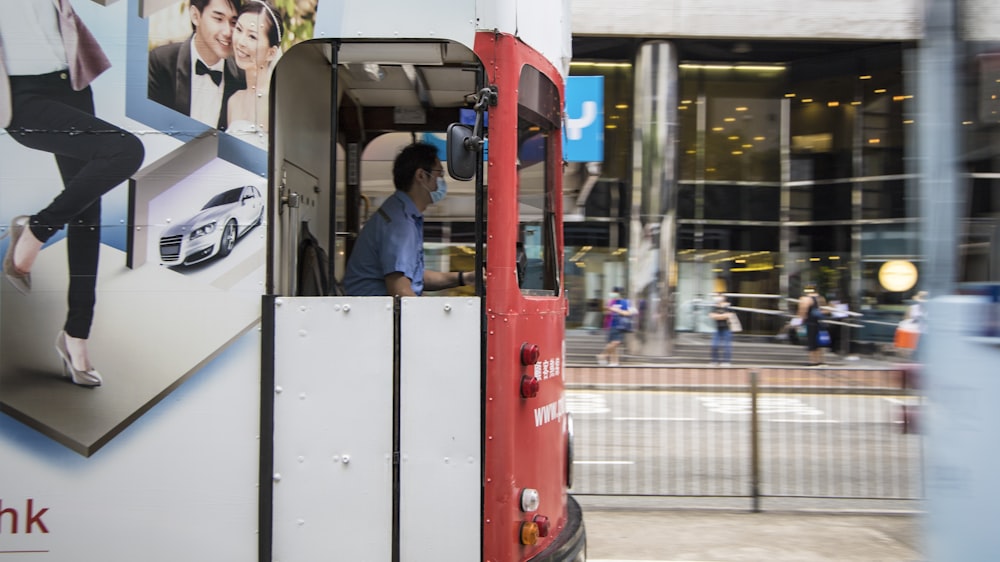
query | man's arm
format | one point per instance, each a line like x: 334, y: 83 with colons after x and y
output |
x: 804, y: 303
x: 437, y: 280
x: 398, y: 284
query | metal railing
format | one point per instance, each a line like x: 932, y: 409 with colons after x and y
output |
x: 745, y: 432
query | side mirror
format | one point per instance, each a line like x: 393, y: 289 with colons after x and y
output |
x: 462, y: 150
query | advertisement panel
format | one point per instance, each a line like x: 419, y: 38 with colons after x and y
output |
x: 133, y: 204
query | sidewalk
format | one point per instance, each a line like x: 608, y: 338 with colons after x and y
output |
x: 620, y: 535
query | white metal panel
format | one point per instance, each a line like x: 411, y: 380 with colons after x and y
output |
x: 333, y: 429
x: 440, y: 433
x: 364, y: 19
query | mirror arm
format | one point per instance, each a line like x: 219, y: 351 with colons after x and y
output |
x: 486, y: 97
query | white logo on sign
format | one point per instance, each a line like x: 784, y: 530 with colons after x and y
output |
x: 575, y: 127
x: 765, y: 405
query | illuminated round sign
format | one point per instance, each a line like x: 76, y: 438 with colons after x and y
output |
x: 897, y: 275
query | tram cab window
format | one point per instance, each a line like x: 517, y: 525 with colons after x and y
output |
x: 538, y: 162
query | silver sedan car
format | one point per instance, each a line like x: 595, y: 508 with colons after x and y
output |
x: 214, y: 230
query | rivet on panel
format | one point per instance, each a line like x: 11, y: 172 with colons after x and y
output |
x: 278, y: 302
x: 301, y: 522
x: 447, y: 308
x: 346, y: 459
x: 278, y: 389
x: 347, y: 308
x: 447, y: 460
x: 302, y: 308
x: 302, y: 333
x: 301, y: 459
x: 277, y: 477
x: 302, y: 396
x: 336, y: 307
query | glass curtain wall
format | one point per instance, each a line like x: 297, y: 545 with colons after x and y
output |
x: 790, y: 174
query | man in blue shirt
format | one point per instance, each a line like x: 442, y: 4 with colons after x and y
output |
x: 388, y: 257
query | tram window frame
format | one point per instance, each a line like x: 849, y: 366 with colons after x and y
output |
x: 538, y: 124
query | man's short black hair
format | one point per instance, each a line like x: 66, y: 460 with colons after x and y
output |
x: 200, y: 4
x: 417, y: 156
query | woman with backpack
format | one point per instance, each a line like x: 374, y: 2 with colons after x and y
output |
x: 811, y: 312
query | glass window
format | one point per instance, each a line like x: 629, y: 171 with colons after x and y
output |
x: 538, y: 122
x: 742, y: 202
x: 883, y: 199
x: 822, y: 202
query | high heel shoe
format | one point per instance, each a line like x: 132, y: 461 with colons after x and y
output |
x: 21, y: 280
x: 90, y: 377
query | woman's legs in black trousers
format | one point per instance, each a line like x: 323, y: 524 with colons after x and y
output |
x: 93, y: 157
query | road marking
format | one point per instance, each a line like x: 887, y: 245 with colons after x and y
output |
x: 655, y: 419
x: 803, y: 421
x: 586, y: 403
x: 765, y: 405
x: 603, y: 462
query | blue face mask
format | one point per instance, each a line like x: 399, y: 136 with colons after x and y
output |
x: 442, y: 190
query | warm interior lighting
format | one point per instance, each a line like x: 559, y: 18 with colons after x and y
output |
x: 729, y: 119
x: 907, y: 121
x: 789, y: 95
x: 600, y: 64
x: 865, y: 77
x: 874, y: 141
x: 855, y: 103
x: 807, y: 100
x: 813, y: 259
x: 717, y: 129
x: 901, y: 98
x: 737, y: 152
x: 747, y: 146
x: 734, y: 137
x: 880, y: 91
x: 611, y: 126
x: 621, y: 106
x: 751, y: 67
x: 686, y: 102
x: 758, y: 139
x: 742, y: 108
x: 833, y: 104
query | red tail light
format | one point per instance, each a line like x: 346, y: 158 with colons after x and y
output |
x: 543, y: 525
x: 529, y: 354
x: 529, y: 386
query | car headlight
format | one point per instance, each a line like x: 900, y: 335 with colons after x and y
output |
x: 203, y: 230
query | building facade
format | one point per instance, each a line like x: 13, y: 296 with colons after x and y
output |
x: 758, y: 148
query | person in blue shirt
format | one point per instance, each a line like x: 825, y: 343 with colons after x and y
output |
x: 620, y: 312
x: 388, y: 257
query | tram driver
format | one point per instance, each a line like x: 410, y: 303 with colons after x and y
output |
x: 388, y: 257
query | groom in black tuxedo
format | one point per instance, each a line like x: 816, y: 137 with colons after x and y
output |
x: 197, y: 76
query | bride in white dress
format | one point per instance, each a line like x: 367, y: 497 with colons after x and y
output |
x: 256, y: 48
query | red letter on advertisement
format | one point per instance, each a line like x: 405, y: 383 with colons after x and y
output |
x: 35, y: 518
x: 9, y: 512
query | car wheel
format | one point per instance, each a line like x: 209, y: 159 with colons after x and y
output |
x: 228, y: 239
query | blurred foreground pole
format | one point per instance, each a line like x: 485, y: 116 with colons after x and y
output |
x: 940, y: 190
x: 962, y: 461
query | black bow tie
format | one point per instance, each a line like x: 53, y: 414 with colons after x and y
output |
x: 215, y: 75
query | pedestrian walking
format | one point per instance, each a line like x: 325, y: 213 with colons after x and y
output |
x: 621, y: 315
x: 722, y: 339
